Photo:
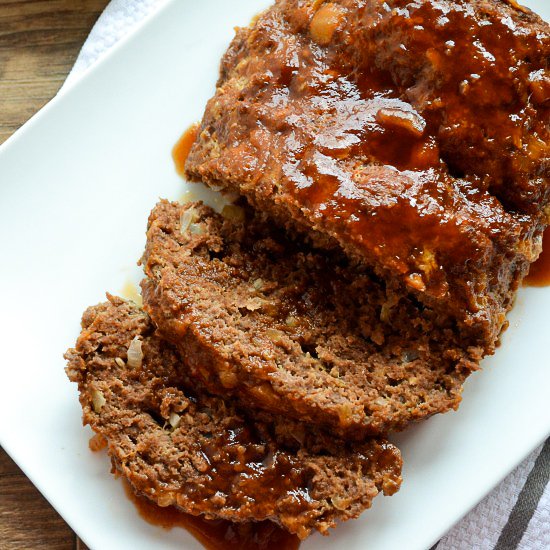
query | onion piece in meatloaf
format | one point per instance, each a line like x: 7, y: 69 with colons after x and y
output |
x: 415, y: 134
x: 198, y: 452
x: 296, y: 331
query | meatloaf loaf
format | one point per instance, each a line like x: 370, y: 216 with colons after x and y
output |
x: 296, y: 331
x: 413, y: 133
x: 178, y: 446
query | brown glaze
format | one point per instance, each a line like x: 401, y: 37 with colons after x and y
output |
x: 469, y: 118
x: 218, y: 534
x: 433, y: 84
x: 413, y: 132
x: 539, y: 274
x: 258, y: 467
x: 212, y: 534
x: 181, y: 149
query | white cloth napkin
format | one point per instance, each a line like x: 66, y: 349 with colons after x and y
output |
x: 516, y: 515
x: 117, y: 20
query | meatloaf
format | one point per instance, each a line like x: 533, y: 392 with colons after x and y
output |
x: 179, y: 446
x: 412, y: 133
x: 293, y: 330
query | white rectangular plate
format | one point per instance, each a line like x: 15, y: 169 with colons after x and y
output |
x: 76, y: 185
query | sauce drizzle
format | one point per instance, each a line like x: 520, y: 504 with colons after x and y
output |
x: 181, y: 149
x: 539, y: 274
x: 215, y: 534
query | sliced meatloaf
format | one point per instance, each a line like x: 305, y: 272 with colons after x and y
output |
x: 413, y: 133
x: 179, y: 446
x: 293, y: 330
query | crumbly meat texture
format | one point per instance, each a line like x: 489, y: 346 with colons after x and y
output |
x: 295, y: 331
x: 413, y: 133
x: 198, y: 452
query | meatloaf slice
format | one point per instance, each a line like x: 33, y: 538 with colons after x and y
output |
x: 295, y: 331
x: 185, y: 448
x: 413, y: 133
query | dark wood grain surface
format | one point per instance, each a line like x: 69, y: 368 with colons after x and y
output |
x: 39, y: 42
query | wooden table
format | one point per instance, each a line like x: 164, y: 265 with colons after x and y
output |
x: 39, y: 42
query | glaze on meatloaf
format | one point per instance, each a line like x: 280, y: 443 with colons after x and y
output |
x: 295, y: 331
x: 179, y: 446
x: 414, y: 133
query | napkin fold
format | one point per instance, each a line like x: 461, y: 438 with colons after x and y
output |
x: 516, y: 515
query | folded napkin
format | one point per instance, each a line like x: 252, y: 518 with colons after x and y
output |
x: 516, y: 515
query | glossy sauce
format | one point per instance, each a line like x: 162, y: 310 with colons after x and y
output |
x: 539, y: 274
x: 212, y: 534
x: 181, y: 149
x: 219, y: 534
x: 390, y: 125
